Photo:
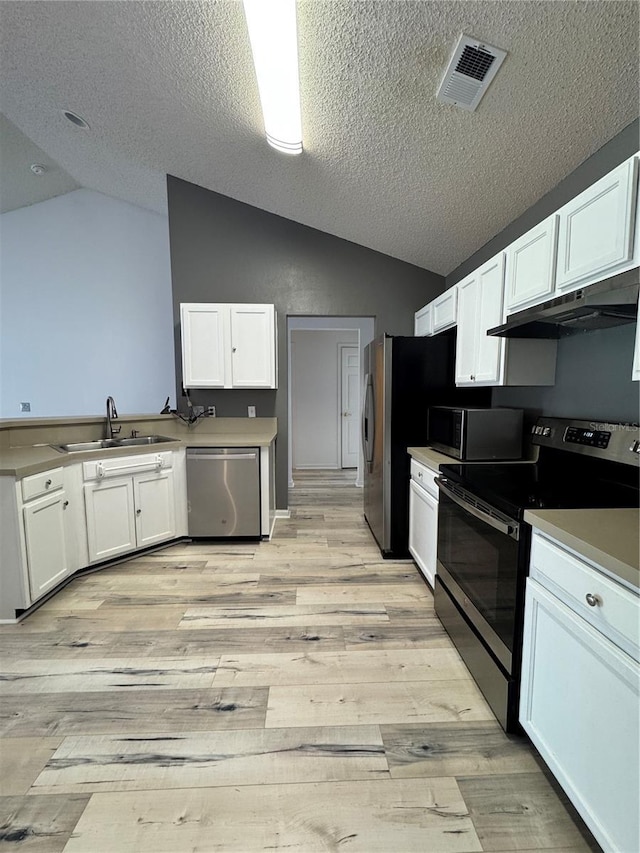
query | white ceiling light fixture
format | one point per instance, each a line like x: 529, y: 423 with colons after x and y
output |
x: 274, y: 44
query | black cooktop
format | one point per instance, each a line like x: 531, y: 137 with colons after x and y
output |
x: 553, y: 484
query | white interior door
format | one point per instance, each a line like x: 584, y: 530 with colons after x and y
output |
x: 349, y: 405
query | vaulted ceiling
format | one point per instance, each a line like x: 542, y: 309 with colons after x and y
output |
x: 169, y: 87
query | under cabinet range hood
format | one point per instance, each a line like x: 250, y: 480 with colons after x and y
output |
x: 598, y: 306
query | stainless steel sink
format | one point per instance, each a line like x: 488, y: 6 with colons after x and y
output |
x: 108, y: 443
x: 142, y: 439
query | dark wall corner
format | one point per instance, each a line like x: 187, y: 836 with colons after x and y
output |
x: 225, y: 251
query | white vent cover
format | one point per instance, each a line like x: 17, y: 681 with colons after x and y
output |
x: 469, y: 73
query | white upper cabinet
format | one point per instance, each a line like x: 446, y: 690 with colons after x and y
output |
x: 489, y: 366
x: 485, y: 360
x: 467, y: 330
x: 423, y: 323
x: 445, y: 310
x: 228, y: 346
x: 597, y: 229
x: 203, y: 345
x: 480, y: 358
x: 530, y: 269
x: 253, y: 346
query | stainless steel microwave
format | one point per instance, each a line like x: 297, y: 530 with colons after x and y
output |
x: 475, y: 434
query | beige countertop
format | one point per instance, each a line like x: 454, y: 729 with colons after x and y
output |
x: 29, y: 452
x: 433, y: 459
x: 608, y: 537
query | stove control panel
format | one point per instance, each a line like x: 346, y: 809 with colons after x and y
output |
x: 588, y: 437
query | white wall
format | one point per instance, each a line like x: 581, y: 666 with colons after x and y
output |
x: 315, y: 386
x: 85, y: 307
x: 365, y: 327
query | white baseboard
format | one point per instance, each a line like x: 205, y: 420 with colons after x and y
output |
x: 283, y: 513
x: 8, y: 621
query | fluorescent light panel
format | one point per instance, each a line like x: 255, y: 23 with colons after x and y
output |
x: 274, y: 44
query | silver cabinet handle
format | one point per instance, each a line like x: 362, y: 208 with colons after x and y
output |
x: 593, y: 600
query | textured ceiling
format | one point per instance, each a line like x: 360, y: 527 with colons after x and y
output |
x: 168, y: 87
x: 19, y: 186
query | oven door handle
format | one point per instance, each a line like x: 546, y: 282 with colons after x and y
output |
x: 511, y: 530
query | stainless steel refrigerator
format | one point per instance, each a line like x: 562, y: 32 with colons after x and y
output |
x: 403, y: 377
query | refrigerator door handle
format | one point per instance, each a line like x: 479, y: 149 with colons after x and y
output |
x: 367, y: 421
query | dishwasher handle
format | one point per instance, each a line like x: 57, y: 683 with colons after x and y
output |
x: 221, y: 457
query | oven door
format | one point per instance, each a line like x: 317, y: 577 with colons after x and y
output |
x: 478, y: 564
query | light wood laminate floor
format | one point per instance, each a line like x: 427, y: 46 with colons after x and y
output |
x: 296, y: 695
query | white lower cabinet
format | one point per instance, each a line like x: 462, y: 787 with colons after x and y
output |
x: 579, y: 701
x: 154, y: 502
x: 111, y: 528
x: 423, y: 520
x: 126, y: 513
x: 53, y: 528
x: 44, y: 533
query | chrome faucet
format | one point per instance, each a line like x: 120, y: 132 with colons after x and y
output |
x: 112, y: 414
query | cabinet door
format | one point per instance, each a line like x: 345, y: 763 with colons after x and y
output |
x: 579, y: 705
x: 445, y: 310
x: 467, y: 330
x: 530, y: 269
x: 423, y: 321
x: 253, y: 346
x: 489, y: 361
x: 110, y: 518
x: 423, y: 530
x: 597, y: 229
x: 203, y: 345
x: 155, y: 507
x: 45, y: 541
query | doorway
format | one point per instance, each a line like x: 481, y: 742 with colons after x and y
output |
x: 324, y: 382
x: 349, y: 409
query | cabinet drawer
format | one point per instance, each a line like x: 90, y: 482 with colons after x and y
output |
x: 615, y: 610
x: 424, y: 477
x: 42, y: 484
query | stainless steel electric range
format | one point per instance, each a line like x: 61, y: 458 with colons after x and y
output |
x: 484, y: 544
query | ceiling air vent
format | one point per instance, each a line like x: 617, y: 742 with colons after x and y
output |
x: 469, y: 73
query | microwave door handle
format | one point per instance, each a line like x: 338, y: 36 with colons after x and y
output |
x: 511, y: 530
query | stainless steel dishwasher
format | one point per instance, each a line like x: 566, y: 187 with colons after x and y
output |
x: 223, y: 490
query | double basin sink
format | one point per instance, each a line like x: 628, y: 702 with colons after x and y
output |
x: 107, y: 443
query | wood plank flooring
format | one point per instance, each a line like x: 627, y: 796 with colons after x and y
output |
x: 296, y: 695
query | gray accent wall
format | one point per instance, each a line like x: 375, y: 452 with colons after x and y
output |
x: 225, y: 251
x: 593, y: 376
